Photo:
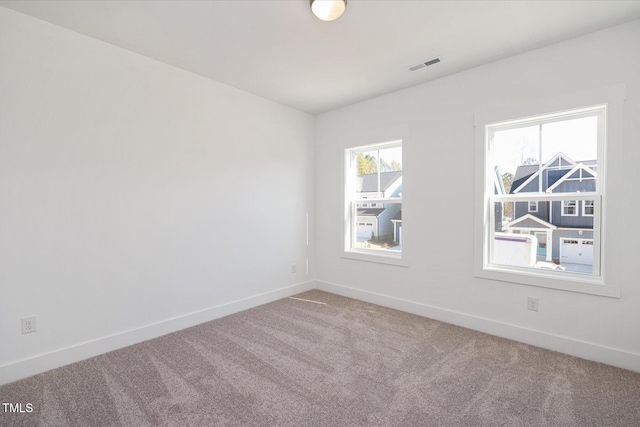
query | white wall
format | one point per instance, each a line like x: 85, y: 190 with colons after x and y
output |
x: 129, y: 197
x: 437, y: 120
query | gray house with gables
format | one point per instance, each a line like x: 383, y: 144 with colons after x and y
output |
x: 377, y: 219
x: 564, y: 229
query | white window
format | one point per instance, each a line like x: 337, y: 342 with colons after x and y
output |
x: 569, y: 208
x: 544, y: 154
x: 557, y: 157
x: 374, y: 172
x: 587, y: 208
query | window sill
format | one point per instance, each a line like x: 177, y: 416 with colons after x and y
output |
x: 579, y: 283
x: 377, y: 258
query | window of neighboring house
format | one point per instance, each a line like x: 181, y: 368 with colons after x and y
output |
x: 569, y: 208
x: 557, y: 158
x: 587, y: 208
x: 374, y: 172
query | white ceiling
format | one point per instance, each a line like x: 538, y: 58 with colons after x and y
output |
x: 280, y: 51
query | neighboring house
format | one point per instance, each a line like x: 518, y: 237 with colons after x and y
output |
x: 397, y: 227
x: 564, y: 229
x: 498, y: 188
x: 376, y: 218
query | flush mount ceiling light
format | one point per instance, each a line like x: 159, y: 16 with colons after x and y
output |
x: 328, y: 10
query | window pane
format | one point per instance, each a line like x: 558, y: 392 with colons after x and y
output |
x: 575, y: 138
x: 569, y: 156
x: 514, y: 148
x: 543, y: 240
x: 569, y: 148
x: 391, y: 159
x: 380, y: 228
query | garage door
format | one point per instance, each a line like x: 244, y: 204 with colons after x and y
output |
x: 364, y: 230
x: 576, y: 251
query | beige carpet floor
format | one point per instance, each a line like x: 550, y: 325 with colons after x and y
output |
x: 319, y: 359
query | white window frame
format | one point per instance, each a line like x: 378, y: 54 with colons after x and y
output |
x: 565, y: 206
x: 584, y: 207
x: 535, y: 206
x: 518, y: 115
x: 350, y: 213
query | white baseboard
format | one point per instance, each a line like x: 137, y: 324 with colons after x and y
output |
x: 573, y: 347
x: 57, y: 358
x: 54, y: 359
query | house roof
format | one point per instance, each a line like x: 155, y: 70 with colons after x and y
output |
x: 524, y: 172
x: 527, y: 173
x: 369, y: 183
x: 529, y: 221
x: 370, y: 212
x: 569, y: 174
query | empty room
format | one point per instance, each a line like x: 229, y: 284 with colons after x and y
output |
x: 319, y: 213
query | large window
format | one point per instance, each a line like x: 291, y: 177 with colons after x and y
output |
x: 373, y: 202
x: 545, y: 221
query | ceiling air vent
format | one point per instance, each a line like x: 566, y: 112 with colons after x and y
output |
x: 424, y: 64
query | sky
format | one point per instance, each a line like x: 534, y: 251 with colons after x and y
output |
x: 388, y: 154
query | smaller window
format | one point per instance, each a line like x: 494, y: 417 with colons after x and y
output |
x: 533, y: 206
x: 374, y: 172
x: 587, y: 208
x: 569, y: 208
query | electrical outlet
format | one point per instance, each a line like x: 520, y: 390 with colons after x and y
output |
x: 28, y: 324
x: 532, y: 303
x: 294, y: 268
